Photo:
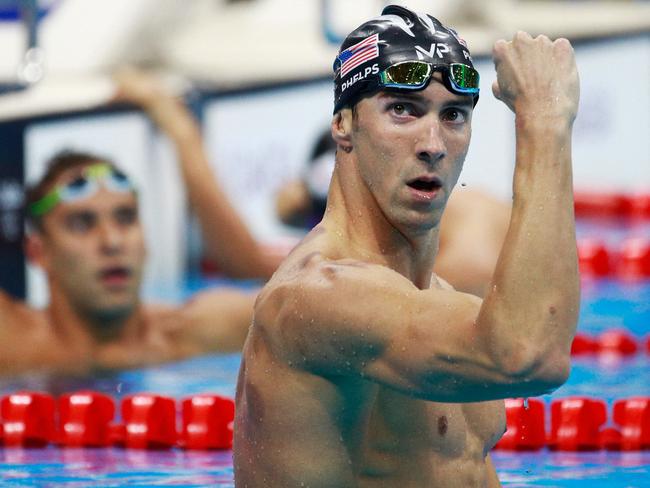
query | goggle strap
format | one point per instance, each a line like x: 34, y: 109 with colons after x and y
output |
x: 45, y: 204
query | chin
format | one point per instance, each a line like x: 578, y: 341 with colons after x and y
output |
x: 115, y: 312
x: 418, y: 222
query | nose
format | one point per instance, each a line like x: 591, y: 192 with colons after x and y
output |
x: 111, y: 238
x: 430, y: 146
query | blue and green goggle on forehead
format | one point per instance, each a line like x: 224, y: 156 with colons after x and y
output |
x: 415, y: 75
x: 85, y: 185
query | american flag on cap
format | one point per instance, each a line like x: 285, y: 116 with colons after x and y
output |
x: 359, y: 53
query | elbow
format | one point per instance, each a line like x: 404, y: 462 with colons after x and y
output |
x: 540, y: 370
x: 553, y: 372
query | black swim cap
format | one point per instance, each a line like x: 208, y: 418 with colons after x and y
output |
x: 399, y: 34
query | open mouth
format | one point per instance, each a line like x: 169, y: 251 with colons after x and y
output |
x: 426, y: 185
x: 115, y: 274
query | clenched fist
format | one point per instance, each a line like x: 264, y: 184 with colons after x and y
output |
x: 537, y: 77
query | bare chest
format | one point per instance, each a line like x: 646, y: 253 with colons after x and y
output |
x: 402, y: 425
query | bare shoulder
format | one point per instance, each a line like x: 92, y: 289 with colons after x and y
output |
x: 213, y: 320
x: 15, y: 312
x: 26, y: 336
x: 313, y: 298
x: 311, y: 278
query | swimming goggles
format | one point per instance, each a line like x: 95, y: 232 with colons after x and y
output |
x: 83, y: 186
x: 414, y: 75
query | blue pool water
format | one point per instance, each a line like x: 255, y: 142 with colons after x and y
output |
x: 605, y: 304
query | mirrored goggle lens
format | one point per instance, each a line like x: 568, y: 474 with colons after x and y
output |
x: 118, y: 181
x: 464, y: 78
x: 78, y: 188
x: 406, y: 75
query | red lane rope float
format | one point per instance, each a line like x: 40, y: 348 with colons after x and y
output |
x: 608, y: 205
x: 633, y: 415
x: 612, y: 342
x: 629, y: 261
x: 28, y: 419
x: 207, y: 422
x: 634, y: 259
x: 85, y: 419
x: 525, y: 425
x: 577, y: 424
x: 594, y: 258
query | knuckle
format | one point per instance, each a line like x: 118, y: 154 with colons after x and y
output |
x: 522, y: 36
x: 499, y: 46
x: 563, y: 43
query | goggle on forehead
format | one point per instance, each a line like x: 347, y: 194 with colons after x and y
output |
x: 414, y: 75
x: 85, y: 185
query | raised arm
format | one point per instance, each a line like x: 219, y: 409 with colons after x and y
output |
x: 348, y: 318
x: 227, y: 238
x: 345, y: 318
x: 535, y: 294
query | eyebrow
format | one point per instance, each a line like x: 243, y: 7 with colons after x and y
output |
x: 464, y: 101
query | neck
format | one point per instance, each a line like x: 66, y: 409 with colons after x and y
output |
x: 358, y: 223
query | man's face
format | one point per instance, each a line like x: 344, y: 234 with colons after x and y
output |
x: 410, y: 148
x: 93, y: 250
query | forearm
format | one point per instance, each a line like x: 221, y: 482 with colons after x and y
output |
x: 227, y: 238
x: 532, y: 306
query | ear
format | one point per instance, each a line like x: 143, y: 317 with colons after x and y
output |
x: 35, y: 249
x: 342, y: 129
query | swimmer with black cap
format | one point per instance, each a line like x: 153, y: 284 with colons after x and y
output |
x: 362, y: 368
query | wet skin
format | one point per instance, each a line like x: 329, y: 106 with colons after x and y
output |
x: 310, y: 410
x: 362, y: 369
